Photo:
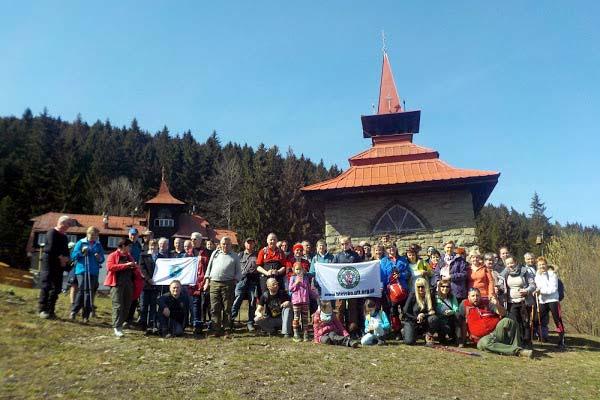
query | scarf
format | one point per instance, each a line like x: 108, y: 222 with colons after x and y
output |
x: 325, y: 317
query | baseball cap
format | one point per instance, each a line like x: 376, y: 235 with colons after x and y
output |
x: 133, y: 231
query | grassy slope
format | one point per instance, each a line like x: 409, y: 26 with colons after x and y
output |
x: 54, y: 359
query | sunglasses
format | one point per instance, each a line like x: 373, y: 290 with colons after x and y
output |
x: 445, y: 287
x: 420, y: 287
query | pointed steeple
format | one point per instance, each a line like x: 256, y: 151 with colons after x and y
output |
x: 389, y: 101
x: 164, y: 196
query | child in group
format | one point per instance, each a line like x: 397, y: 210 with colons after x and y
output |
x: 328, y: 328
x: 300, y: 289
x: 377, y: 324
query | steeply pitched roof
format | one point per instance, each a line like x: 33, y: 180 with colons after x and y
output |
x: 389, y: 101
x: 164, y: 196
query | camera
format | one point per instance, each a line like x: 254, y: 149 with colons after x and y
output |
x: 84, y: 250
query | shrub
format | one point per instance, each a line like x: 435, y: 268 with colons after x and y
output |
x: 576, y: 257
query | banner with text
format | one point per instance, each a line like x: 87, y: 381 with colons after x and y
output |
x: 182, y: 269
x: 346, y: 281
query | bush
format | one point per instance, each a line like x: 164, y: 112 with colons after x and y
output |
x: 576, y: 257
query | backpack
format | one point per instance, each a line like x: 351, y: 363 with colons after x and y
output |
x: 561, y: 290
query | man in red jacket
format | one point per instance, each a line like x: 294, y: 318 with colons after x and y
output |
x: 487, y: 327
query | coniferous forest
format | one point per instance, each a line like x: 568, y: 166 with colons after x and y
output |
x: 47, y: 164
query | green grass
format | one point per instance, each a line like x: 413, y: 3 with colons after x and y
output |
x: 63, y: 359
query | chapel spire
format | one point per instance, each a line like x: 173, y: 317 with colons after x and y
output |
x: 389, y: 101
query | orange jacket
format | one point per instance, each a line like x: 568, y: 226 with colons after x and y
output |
x: 483, y: 280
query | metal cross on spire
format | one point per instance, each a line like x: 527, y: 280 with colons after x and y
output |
x: 384, y: 46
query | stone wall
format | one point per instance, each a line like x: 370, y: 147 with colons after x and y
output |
x: 447, y: 215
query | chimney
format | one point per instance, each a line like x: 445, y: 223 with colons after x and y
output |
x: 105, y: 220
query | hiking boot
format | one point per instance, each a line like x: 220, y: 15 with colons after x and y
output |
x: 380, y: 342
x: 85, y: 320
x: 72, y: 316
x: 429, y: 340
x: 306, y: 338
x: 118, y: 333
x: 197, y: 330
x: 44, y: 315
x: 148, y: 332
x: 297, y: 339
x: 287, y: 336
x: 525, y: 353
x: 155, y: 331
x: 168, y: 336
x: 125, y: 325
x: 354, y: 344
x: 251, y: 328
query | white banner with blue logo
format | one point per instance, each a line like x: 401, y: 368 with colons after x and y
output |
x: 182, y: 269
x: 347, y: 281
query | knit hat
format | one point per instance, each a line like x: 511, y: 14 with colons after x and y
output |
x: 297, y: 246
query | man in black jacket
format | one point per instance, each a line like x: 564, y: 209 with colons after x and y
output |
x: 54, y: 261
x: 173, y: 309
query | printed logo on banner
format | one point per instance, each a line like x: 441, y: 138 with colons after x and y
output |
x: 348, y: 277
x: 175, y: 270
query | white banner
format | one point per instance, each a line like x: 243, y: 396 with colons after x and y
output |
x: 181, y: 269
x: 346, y: 281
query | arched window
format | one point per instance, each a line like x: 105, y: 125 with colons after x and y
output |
x: 398, y: 220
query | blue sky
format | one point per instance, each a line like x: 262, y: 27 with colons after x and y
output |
x: 509, y: 86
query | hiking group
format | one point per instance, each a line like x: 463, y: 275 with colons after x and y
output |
x: 497, y: 303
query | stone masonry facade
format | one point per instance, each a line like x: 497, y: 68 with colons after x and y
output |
x: 447, y: 215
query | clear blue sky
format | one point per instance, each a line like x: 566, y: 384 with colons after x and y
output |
x: 509, y: 86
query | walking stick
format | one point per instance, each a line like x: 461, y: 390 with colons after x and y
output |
x: 531, y: 320
x: 537, y: 302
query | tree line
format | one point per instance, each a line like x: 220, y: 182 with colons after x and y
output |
x: 47, y: 164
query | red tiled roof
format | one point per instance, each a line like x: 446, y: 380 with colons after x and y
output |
x: 383, y: 152
x: 397, y: 173
x: 195, y: 223
x: 117, y: 226
x: 397, y: 161
x: 164, y: 196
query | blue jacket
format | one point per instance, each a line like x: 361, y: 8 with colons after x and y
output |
x: 383, y: 325
x: 387, y: 266
x: 136, y: 251
x: 325, y: 259
x: 79, y: 259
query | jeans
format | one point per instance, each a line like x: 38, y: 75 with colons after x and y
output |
x: 85, y: 293
x: 170, y: 326
x: 148, y: 308
x: 245, y: 287
x: 283, y: 322
x: 201, y: 314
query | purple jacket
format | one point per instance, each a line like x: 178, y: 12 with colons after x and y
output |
x: 458, y: 276
x: 300, y: 289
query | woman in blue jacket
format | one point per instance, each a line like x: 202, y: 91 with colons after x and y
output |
x: 88, y: 256
x: 394, y: 269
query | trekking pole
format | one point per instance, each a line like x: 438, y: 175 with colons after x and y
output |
x: 86, y: 282
x: 537, y: 302
x: 531, y: 323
